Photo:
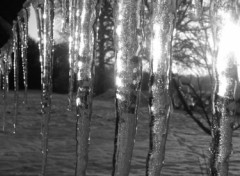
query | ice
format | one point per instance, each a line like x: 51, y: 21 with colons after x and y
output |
x: 24, y: 46
x: 16, y: 71
x: 225, y: 69
x: 162, y: 24
x: 45, y: 19
x: 83, y: 67
x: 128, y: 78
x: 72, y: 22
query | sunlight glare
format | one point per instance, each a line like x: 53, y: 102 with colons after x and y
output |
x: 156, y: 52
x: 229, y: 42
x: 229, y: 52
x: 119, y: 82
x: 32, y: 24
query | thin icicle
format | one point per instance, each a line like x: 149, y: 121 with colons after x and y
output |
x: 64, y: 11
x: 162, y: 23
x: 128, y: 77
x: 45, y: 29
x: 5, y: 92
x: 16, y: 71
x: 84, y: 68
x: 38, y: 11
x: 24, y: 46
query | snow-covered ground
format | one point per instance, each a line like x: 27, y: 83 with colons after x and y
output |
x: 20, y: 154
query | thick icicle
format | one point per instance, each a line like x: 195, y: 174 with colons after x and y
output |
x: 84, y: 67
x: 72, y: 21
x: 45, y: 16
x: 128, y: 77
x: 16, y: 71
x: 162, y: 24
x: 225, y: 77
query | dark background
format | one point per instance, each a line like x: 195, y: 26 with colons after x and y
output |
x: 8, y: 12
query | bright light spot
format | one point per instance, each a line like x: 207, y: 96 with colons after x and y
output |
x: 152, y: 109
x: 79, y: 68
x: 119, y: 82
x: 70, y: 39
x: 44, y: 39
x: 119, y: 62
x: 120, y: 97
x: 229, y: 43
x: 32, y: 24
x: 119, y: 30
x: 83, y: 15
x: 223, y: 83
x: 78, y: 101
x: 120, y: 16
x: 156, y: 46
x: 33, y: 31
x: 80, y: 64
x: 44, y: 16
x: 229, y: 52
x: 81, y: 44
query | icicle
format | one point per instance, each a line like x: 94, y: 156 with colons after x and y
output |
x: 38, y: 11
x: 64, y: 11
x: 197, y: 5
x: 24, y: 46
x: 45, y: 16
x: 84, y: 69
x: 16, y: 71
x: 71, y: 51
x: 225, y: 31
x: 162, y: 24
x: 128, y: 78
x: 5, y: 92
x: 6, y: 65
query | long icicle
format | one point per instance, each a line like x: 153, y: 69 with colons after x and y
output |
x: 162, y: 24
x: 128, y: 78
x: 72, y: 15
x: 45, y: 16
x: 38, y: 11
x: 6, y: 64
x: 24, y: 46
x: 225, y: 79
x: 84, y: 67
x: 16, y: 70
x: 5, y: 94
x: 47, y: 20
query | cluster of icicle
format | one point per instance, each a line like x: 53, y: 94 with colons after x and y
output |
x: 80, y: 18
x: 11, y: 52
